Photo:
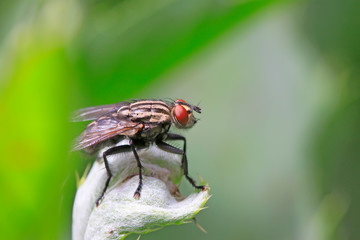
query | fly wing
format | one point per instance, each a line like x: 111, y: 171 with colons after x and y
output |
x: 104, y: 128
x: 92, y: 113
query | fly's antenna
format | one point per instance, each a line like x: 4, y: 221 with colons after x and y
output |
x: 197, y: 106
x: 196, y: 109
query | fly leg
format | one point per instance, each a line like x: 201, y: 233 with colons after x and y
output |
x: 110, y: 151
x: 167, y: 147
x: 138, y: 189
x: 116, y: 150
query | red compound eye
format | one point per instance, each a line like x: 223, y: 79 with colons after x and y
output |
x: 181, y: 114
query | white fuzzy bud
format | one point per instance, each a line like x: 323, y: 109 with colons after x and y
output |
x: 119, y: 214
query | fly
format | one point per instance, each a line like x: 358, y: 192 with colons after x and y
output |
x: 142, y: 122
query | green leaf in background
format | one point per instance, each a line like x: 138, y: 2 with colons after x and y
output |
x: 121, y: 50
x: 335, y: 32
x: 34, y: 144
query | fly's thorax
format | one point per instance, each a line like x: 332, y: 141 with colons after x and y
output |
x: 147, y: 111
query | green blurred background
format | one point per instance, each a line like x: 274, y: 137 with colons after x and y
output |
x: 278, y: 82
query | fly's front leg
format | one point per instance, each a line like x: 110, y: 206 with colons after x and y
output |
x: 167, y: 147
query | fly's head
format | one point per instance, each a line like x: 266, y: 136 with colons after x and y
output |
x: 182, y: 114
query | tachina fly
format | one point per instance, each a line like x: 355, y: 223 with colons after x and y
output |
x: 142, y: 122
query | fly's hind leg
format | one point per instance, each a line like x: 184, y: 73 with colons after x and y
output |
x: 167, y: 147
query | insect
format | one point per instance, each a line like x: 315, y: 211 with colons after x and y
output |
x: 142, y: 122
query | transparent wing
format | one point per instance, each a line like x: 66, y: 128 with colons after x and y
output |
x: 92, y: 113
x: 104, y: 128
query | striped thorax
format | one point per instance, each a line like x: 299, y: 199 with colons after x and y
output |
x: 147, y: 111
